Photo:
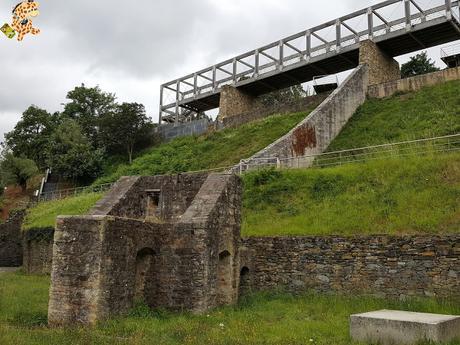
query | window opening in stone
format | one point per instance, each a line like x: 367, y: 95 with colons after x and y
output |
x: 153, y: 202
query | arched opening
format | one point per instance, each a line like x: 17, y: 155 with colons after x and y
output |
x: 144, y: 268
x: 245, y: 281
x: 224, y: 278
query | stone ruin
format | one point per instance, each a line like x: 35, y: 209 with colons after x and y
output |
x: 169, y: 241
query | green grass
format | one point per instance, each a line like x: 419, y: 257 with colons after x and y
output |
x: 44, y: 214
x: 391, y: 196
x: 214, y: 150
x: 433, y: 111
x: 264, y: 318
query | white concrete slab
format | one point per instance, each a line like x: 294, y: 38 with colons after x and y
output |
x: 402, y: 327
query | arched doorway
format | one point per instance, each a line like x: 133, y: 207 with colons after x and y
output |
x: 245, y: 281
x: 144, y: 271
x: 224, y: 278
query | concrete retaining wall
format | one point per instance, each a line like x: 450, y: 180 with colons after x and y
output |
x: 262, y: 112
x: 414, y: 83
x: 315, y: 133
x: 378, y: 265
x: 11, y: 242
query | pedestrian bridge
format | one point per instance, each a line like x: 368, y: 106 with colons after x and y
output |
x: 396, y: 26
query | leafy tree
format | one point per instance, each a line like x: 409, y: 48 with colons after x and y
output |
x: 126, y: 129
x: 72, y: 156
x: 86, y: 106
x: 16, y: 170
x: 31, y: 136
x: 287, y: 95
x: 418, y: 64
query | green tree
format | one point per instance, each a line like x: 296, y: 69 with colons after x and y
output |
x: 16, y: 170
x: 86, y: 106
x: 31, y: 136
x: 287, y: 95
x: 72, y: 156
x: 126, y: 129
x: 417, y: 65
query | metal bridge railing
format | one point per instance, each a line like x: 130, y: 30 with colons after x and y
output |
x: 402, y: 149
x: 301, y: 49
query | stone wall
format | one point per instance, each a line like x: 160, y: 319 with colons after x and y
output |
x: 185, y: 257
x: 38, y: 250
x: 414, y: 83
x: 382, y: 68
x: 262, y: 111
x: 11, y: 241
x: 378, y: 265
x: 234, y: 102
x: 314, y: 134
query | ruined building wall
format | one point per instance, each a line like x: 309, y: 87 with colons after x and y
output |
x: 379, y: 265
x: 11, y: 241
x: 103, y: 263
x: 38, y: 250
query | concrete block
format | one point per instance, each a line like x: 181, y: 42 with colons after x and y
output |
x: 390, y: 327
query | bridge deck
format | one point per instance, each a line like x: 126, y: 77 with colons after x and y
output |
x: 272, y: 68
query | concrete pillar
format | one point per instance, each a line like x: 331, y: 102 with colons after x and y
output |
x: 234, y: 102
x: 382, y: 68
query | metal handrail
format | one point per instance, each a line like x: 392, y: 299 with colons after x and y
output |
x: 239, y: 71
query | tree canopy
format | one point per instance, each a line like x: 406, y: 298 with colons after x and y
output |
x: 418, y: 64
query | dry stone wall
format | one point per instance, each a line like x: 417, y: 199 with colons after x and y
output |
x: 38, y: 250
x: 379, y: 265
x: 234, y: 102
x: 382, y: 68
x: 11, y: 241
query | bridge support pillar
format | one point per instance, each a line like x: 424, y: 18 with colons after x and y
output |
x: 234, y: 102
x: 382, y: 68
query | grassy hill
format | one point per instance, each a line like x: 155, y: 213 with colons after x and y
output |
x: 214, y: 150
x: 420, y: 194
x: 390, y: 196
x: 430, y: 112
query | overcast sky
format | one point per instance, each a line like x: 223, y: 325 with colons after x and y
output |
x: 131, y: 47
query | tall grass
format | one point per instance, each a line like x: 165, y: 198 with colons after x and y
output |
x: 391, y: 196
x: 262, y: 318
x: 44, y: 214
x: 213, y: 150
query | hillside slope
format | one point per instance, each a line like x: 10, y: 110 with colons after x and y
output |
x: 430, y: 112
x: 214, y: 150
x: 389, y: 196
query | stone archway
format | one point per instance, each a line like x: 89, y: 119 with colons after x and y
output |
x: 144, y: 274
x: 245, y: 281
x: 224, y: 279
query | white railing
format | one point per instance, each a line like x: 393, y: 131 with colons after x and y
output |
x: 436, y: 145
x: 303, y: 48
x: 401, y: 149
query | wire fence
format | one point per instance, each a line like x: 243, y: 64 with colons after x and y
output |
x: 363, y: 154
x: 421, y: 147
